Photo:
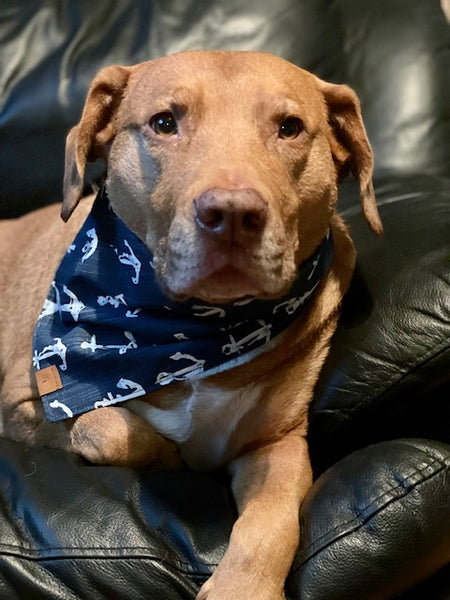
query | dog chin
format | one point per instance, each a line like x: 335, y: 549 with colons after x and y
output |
x: 223, y: 286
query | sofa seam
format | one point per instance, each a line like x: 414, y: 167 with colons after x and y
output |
x: 137, y: 553
x: 359, y: 523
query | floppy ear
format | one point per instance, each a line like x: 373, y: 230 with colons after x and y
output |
x: 350, y: 147
x: 88, y: 140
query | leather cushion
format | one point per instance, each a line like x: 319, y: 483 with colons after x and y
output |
x: 387, y: 373
x: 376, y: 523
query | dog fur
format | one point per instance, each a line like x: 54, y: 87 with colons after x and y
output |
x: 229, y: 205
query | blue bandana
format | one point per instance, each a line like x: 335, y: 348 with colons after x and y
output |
x: 106, y: 332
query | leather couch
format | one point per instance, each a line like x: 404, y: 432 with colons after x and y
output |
x: 376, y: 523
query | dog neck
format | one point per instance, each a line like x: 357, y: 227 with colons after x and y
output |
x: 107, y: 333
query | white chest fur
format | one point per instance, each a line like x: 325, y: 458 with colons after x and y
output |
x: 201, y: 424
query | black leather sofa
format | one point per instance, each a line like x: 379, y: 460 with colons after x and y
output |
x: 376, y: 523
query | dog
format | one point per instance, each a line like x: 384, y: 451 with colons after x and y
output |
x: 225, y: 165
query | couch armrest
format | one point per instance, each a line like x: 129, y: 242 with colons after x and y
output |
x: 375, y: 523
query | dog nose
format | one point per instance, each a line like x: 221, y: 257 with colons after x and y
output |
x: 231, y: 215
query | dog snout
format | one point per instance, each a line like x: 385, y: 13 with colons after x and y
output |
x: 231, y: 215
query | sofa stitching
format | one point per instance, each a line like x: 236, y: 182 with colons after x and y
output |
x: 389, y: 496
x: 312, y: 550
x: 137, y: 553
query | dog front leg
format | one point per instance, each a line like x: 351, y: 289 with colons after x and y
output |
x: 269, y: 485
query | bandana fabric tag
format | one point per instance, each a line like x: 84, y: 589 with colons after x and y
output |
x: 48, y: 380
x: 107, y: 333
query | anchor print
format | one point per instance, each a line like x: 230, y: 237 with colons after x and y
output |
x: 130, y: 259
x: 123, y: 384
x: 182, y: 337
x: 208, y: 311
x: 291, y: 305
x: 90, y: 247
x: 122, y: 348
x: 315, y: 263
x: 317, y: 260
x: 195, y: 368
x: 260, y: 334
x: 243, y: 302
x: 73, y: 307
x: 117, y: 301
x: 57, y: 349
x: 62, y: 406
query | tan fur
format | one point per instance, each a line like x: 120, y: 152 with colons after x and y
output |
x: 228, y: 108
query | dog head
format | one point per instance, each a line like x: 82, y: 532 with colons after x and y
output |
x: 225, y: 164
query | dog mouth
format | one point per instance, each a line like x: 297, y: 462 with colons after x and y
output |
x: 222, y: 273
x: 226, y: 284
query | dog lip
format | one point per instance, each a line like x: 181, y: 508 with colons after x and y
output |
x: 224, y: 285
x: 222, y: 273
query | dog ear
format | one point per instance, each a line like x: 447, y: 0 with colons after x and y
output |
x: 89, y: 140
x: 350, y: 146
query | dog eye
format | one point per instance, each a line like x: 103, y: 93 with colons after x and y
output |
x: 164, y: 124
x: 290, y: 128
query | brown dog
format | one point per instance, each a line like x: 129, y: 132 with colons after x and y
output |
x: 226, y: 165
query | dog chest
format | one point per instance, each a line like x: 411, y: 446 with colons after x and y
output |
x: 203, y: 423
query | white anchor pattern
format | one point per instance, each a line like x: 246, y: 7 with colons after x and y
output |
x: 261, y: 334
x: 73, y: 307
x: 116, y: 337
x: 129, y: 259
x: 292, y: 305
x: 194, y: 367
x: 57, y: 349
x: 90, y: 246
x: 122, y: 348
x: 123, y: 384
